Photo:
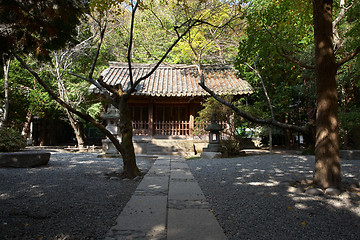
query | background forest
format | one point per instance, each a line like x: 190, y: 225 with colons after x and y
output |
x: 274, y: 37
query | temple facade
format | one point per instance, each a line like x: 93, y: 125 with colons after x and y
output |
x: 167, y: 103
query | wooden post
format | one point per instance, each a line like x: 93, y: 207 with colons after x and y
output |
x: 191, y: 124
x: 151, y: 119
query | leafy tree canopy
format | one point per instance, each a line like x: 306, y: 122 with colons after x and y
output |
x: 279, y: 30
x: 37, y: 26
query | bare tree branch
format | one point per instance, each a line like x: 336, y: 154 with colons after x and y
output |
x: 176, y: 28
x: 101, y: 88
x: 197, y: 55
x: 106, y: 86
x: 161, y: 22
x: 265, y: 91
x: 348, y: 58
x: 102, y: 34
x: 337, y: 41
x: 132, y: 89
x: 131, y: 43
x: 249, y: 117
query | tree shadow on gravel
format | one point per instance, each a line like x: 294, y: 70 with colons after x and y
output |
x: 70, y: 198
x: 255, y: 198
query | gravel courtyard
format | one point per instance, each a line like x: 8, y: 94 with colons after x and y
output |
x: 252, y: 198
x: 70, y: 198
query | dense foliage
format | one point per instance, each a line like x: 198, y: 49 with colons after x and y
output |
x: 11, y: 140
x: 38, y: 26
x: 279, y: 44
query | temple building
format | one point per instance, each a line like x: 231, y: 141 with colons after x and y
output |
x: 167, y: 102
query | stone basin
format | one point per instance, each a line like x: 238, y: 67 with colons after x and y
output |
x: 24, y: 159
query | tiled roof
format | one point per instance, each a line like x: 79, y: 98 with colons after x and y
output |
x: 177, y: 80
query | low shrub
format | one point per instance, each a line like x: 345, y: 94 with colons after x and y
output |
x: 232, y: 148
x: 309, y: 151
x: 11, y: 140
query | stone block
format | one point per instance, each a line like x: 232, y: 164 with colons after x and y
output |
x: 193, y: 224
x: 153, y: 186
x: 332, y: 191
x: 108, y: 147
x: 144, y: 217
x: 314, y: 191
x: 24, y: 159
x: 210, y: 155
x: 212, y: 147
x: 185, y: 191
x: 182, y: 174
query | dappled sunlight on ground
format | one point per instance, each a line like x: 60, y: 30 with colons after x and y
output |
x: 70, y: 198
x: 256, y: 197
x: 157, y: 232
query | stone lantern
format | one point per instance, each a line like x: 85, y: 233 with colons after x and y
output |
x: 213, y: 148
x: 112, y: 117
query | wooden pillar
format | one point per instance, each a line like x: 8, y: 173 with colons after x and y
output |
x: 191, y: 119
x: 151, y: 119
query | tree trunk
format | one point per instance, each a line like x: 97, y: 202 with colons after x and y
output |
x: 327, y: 163
x: 26, y: 128
x: 80, y: 135
x: 76, y: 125
x: 78, y: 128
x: 6, y: 92
x: 127, y: 151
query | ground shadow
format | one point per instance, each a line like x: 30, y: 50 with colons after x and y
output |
x: 252, y: 199
x: 70, y: 198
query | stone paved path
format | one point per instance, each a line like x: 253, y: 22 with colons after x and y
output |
x: 167, y: 204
